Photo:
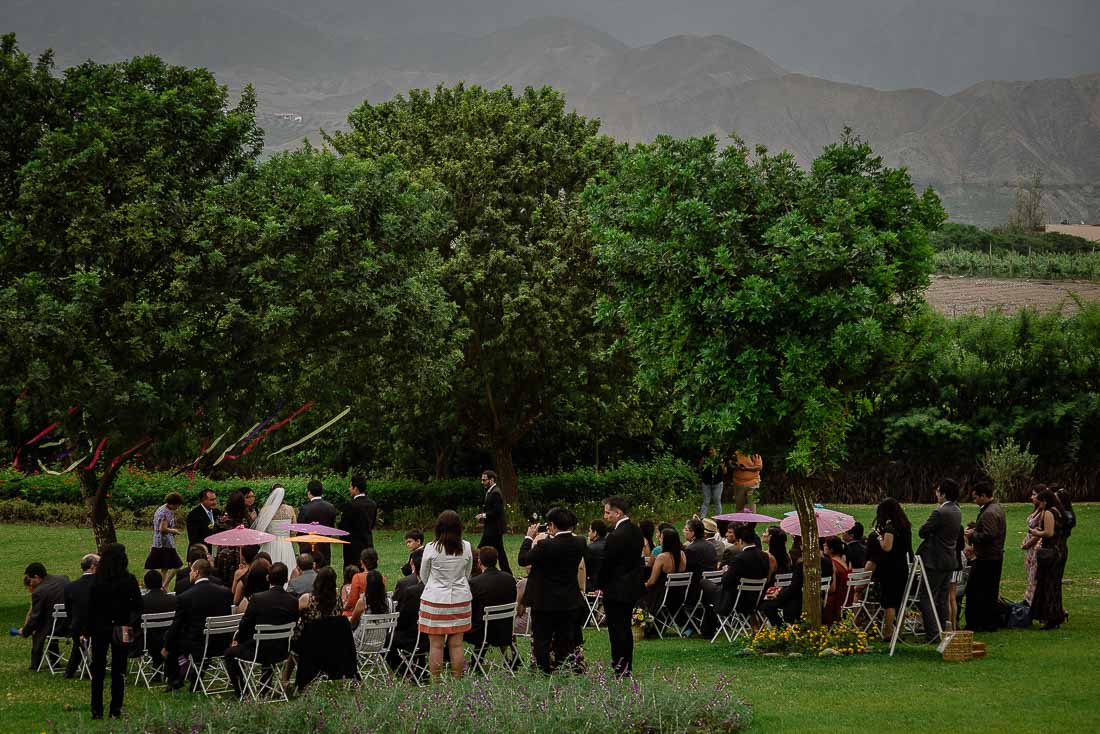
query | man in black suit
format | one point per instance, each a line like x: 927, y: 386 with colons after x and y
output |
x: 749, y: 563
x: 939, y: 551
x: 621, y: 581
x: 414, y: 541
x: 597, y: 549
x: 700, y: 555
x: 494, y: 518
x: 274, y: 606
x: 360, y: 517
x: 406, y: 598
x: 46, y: 591
x: 318, y: 510
x: 490, y: 588
x: 183, y: 575
x: 202, y: 519
x: 789, y: 599
x: 553, y: 590
x: 155, y: 600
x: 185, y: 636
x: 77, y: 594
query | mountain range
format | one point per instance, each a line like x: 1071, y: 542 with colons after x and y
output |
x: 973, y: 146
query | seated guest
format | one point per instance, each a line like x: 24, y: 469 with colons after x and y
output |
x: 701, y: 555
x: 522, y: 624
x: 302, y: 582
x: 856, y: 549
x: 322, y: 601
x: 778, y: 559
x: 661, y: 528
x: 46, y: 591
x: 748, y: 564
x: 349, y: 576
x: 183, y: 576
x: 414, y: 541
x: 838, y: 590
x: 77, y: 594
x: 411, y: 578
x: 597, y: 548
x: 368, y: 561
x: 710, y: 527
x: 372, y: 601
x: 255, y: 582
x: 672, y: 559
x: 270, y: 606
x: 261, y: 564
x: 155, y: 600
x: 186, y: 635
x: 406, y: 597
x: 490, y: 588
x: 788, y: 601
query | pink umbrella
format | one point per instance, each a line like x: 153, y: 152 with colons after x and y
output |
x: 829, y: 523
x: 316, y: 528
x: 746, y: 517
x: 240, y: 535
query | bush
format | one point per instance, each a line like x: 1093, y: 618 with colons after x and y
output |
x: 531, y: 704
x: 952, y: 236
x: 1010, y: 467
x: 843, y: 638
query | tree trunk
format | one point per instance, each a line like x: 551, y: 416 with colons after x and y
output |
x: 440, y: 463
x: 94, y: 492
x: 506, y: 473
x: 803, y: 495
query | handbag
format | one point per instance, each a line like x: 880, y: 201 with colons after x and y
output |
x: 1045, y: 557
x: 122, y: 634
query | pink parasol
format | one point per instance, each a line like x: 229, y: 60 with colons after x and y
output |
x: 746, y: 517
x: 829, y: 523
x: 240, y: 535
x: 316, y: 528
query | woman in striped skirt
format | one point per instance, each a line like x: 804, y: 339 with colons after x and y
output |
x: 445, y: 611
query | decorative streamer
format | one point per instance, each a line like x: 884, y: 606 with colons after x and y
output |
x: 95, y: 457
x: 205, y: 450
x: 307, y: 437
x: 127, y: 452
x: 275, y: 427
x: 231, y: 446
x: 74, y: 465
x: 43, y: 432
x: 53, y: 443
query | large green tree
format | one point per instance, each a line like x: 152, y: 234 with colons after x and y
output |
x: 518, y: 258
x: 767, y: 298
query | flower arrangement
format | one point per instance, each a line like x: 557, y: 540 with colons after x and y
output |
x: 843, y: 638
x: 641, y: 617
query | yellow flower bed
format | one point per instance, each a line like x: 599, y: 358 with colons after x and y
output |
x: 843, y: 638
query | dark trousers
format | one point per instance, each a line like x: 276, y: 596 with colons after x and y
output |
x: 38, y: 647
x: 232, y: 655
x: 938, y: 581
x: 101, y: 645
x: 74, y: 659
x: 617, y: 615
x: 982, y: 593
x: 553, y: 630
x: 496, y: 541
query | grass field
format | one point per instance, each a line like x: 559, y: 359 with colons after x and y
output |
x: 1031, y: 681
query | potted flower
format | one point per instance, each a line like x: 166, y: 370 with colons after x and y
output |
x: 640, y: 619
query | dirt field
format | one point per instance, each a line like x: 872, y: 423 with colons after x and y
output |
x: 955, y: 295
x: 1087, y: 231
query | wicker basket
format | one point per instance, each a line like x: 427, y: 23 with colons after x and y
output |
x: 960, y: 646
x: 638, y: 631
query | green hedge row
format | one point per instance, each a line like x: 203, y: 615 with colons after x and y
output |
x: 135, y: 489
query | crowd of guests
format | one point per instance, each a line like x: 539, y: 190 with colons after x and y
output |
x: 446, y: 583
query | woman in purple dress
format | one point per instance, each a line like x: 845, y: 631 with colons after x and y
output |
x: 163, y: 556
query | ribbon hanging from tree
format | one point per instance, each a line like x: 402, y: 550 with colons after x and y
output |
x: 273, y: 428
x: 206, y: 450
x: 95, y: 456
x: 44, y: 432
x: 307, y: 437
x: 127, y: 452
x: 68, y: 469
x: 233, y: 445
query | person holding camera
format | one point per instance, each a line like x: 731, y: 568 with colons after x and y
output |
x: 553, y: 590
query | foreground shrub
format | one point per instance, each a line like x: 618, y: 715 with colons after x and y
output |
x: 843, y: 638
x: 531, y: 704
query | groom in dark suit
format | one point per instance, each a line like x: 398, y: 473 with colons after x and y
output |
x: 318, y: 510
x: 495, y: 519
x: 360, y: 517
x: 621, y: 581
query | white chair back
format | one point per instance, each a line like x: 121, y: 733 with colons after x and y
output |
x: 783, y: 580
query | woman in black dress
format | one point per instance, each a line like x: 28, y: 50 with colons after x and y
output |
x: 1046, y: 605
x: 889, y: 552
x: 114, y: 607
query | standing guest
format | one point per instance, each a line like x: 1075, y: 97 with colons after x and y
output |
x: 359, y: 520
x: 1069, y: 522
x: 889, y: 552
x: 621, y: 581
x: 250, y: 511
x: 319, y: 510
x: 228, y: 563
x: 490, y: 588
x: 46, y: 591
x: 185, y: 636
x: 414, y: 541
x: 494, y: 519
x: 163, y: 556
x: 553, y: 592
x: 711, y: 469
x: 1031, y: 543
x: 183, y: 576
x: 779, y: 559
x: 445, y: 613
x: 77, y: 598
x: 272, y: 606
x: 597, y: 548
x: 838, y: 589
x: 987, y: 542
x: 1046, y: 606
x: 115, y: 603
x: 856, y: 549
x: 746, y: 480
x: 203, y: 519
x: 941, y: 534
x: 306, y: 575
x: 672, y: 559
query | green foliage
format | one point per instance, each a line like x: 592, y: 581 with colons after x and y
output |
x: 954, y: 236
x: 842, y: 638
x: 1010, y: 466
x: 1050, y: 266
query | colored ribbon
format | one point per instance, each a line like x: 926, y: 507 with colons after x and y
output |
x: 72, y: 466
x: 231, y: 446
x: 127, y: 452
x: 273, y: 428
x: 205, y: 450
x: 95, y: 457
x: 43, y: 432
x: 305, y: 438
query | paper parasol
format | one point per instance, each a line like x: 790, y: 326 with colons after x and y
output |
x: 746, y: 517
x: 829, y: 523
x: 314, y: 539
x: 240, y: 535
x: 315, y: 528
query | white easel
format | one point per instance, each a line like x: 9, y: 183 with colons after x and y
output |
x: 916, y: 571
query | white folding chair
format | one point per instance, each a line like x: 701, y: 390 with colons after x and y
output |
x: 698, y: 613
x: 55, y: 661
x: 855, y: 599
x: 783, y: 580
x: 211, y: 675
x: 664, y: 618
x: 374, y: 635
x: 510, y: 658
x: 150, y: 664
x: 414, y: 662
x: 594, y: 601
x: 735, y: 624
x: 262, y: 680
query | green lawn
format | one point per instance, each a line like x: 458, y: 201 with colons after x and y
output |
x: 1031, y: 681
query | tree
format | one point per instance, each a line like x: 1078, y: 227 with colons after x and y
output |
x: 1028, y: 214
x: 765, y: 297
x: 519, y: 261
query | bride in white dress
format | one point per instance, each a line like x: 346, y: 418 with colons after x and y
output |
x: 274, y: 518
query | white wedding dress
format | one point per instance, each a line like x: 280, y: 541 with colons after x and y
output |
x: 274, y: 518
